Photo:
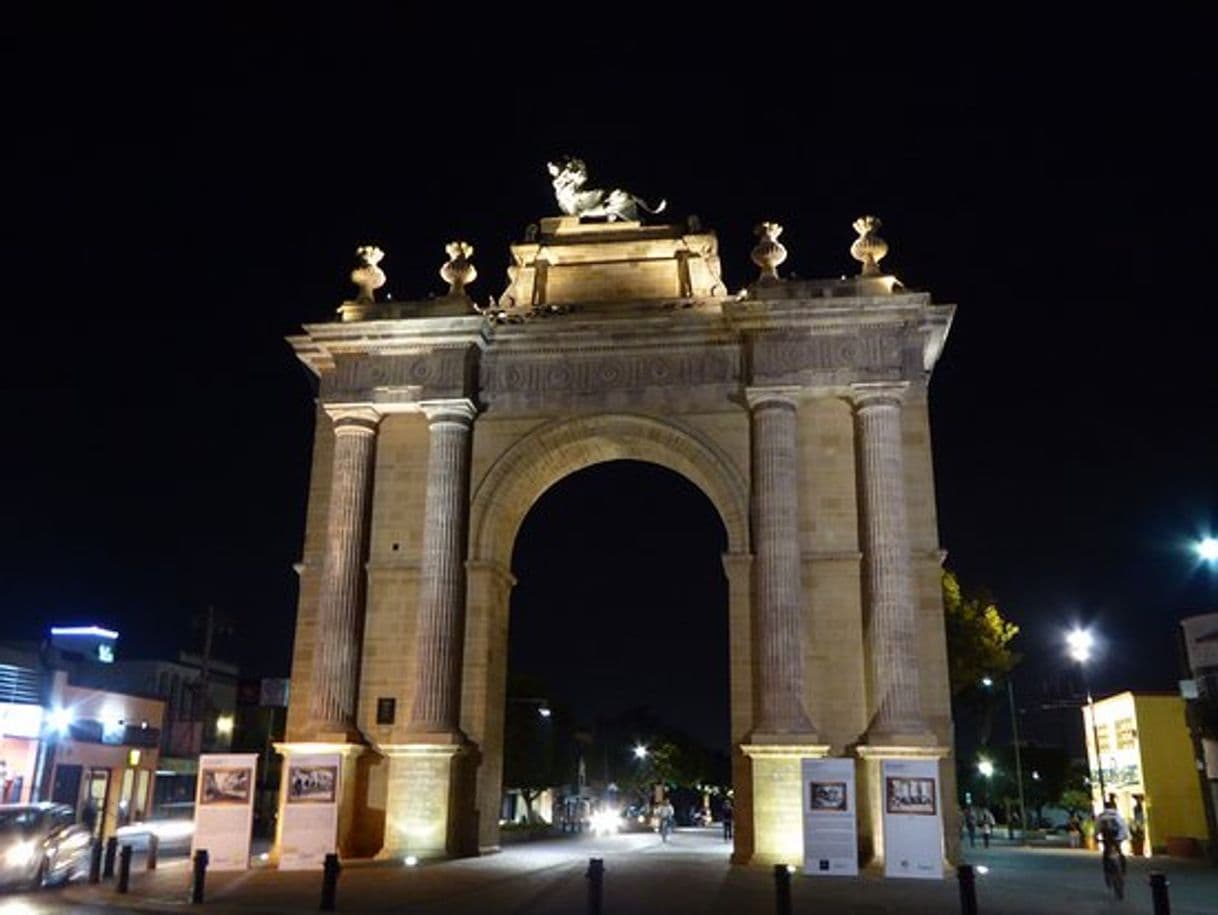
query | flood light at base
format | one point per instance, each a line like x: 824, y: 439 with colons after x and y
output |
x: 410, y: 860
x: 982, y: 869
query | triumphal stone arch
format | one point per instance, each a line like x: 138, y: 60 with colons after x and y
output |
x: 799, y: 407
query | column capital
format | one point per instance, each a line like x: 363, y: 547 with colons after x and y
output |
x: 459, y: 410
x: 878, y: 393
x: 781, y: 395
x: 349, y: 419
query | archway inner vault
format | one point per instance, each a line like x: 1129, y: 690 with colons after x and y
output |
x: 550, y: 453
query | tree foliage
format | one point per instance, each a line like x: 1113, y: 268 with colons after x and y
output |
x: 533, y: 757
x: 978, y: 637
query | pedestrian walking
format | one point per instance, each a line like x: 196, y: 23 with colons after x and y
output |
x: 728, y: 817
x: 987, y: 826
x: 970, y: 824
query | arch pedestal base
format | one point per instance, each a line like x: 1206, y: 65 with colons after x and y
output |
x: 777, y: 800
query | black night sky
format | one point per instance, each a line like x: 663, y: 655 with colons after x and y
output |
x: 181, y: 194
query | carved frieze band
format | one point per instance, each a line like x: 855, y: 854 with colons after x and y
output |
x: 588, y: 374
x: 778, y: 355
x: 449, y: 370
x: 356, y: 375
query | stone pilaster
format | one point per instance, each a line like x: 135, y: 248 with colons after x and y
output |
x: 776, y: 568
x: 893, y: 635
x: 341, y: 598
x: 441, y: 621
x: 484, y: 687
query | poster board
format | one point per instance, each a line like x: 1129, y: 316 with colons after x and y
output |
x: 830, y: 818
x: 310, y: 810
x: 913, y: 818
x: 224, y: 809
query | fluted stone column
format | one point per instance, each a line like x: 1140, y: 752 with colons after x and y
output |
x: 776, y: 568
x: 893, y: 629
x: 341, y: 600
x: 441, y: 626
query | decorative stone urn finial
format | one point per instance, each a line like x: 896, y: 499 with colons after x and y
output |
x: 869, y: 249
x: 769, y: 252
x: 458, y: 272
x: 368, y: 276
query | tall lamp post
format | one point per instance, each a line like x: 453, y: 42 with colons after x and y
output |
x: 1080, y: 642
x: 1023, y: 810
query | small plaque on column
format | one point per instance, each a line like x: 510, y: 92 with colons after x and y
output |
x: 386, y: 710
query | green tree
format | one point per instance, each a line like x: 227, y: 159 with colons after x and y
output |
x: 537, y: 749
x: 978, y: 637
x: 1076, y: 794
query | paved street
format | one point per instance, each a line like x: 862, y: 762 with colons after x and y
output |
x: 643, y: 876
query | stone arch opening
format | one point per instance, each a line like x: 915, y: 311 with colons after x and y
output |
x: 512, y: 486
x: 636, y: 548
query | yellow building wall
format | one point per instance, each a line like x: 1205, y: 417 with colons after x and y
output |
x: 1173, y: 794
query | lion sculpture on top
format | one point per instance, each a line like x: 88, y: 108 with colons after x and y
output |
x: 569, y: 177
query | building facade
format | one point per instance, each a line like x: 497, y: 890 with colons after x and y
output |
x: 1199, y: 635
x: 74, y: 743
x: 200, y: 703
x: 799, y: 407
x: 1147, y: 760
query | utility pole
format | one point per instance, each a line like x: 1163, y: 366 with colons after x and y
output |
x: 209, y: 628
x: 1023, y: 810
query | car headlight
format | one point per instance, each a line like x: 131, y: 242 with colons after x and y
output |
x: 606, y: 822
x: 20, y: 854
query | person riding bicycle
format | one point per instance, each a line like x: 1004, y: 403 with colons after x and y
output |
x: 1111, y: 829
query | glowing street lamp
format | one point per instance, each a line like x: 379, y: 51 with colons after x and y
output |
x: 640, y: 751
x: 985, y: 767
x: 1080, y: 642
x: 1207, y: 549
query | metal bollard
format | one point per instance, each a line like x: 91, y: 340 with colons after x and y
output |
x: 782, y: 889
x: 1158, y: 893
x: 108, y: 864
x: 124, y: 868
x: 196, y: 889
x: 968, y: 889
x: 329, y: 882
x: 596, y: 884
x: 154, y: 846
x: 95, y: 856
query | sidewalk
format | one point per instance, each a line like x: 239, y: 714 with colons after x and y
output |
x: 689, y: 874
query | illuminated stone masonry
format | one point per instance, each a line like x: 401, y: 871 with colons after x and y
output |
x: 798, y: 406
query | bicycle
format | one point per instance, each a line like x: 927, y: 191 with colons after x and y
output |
x: 1114, y: 877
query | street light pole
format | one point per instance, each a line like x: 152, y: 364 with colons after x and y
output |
x: 1095, y: 735
x: 1080, y: 641
x: 1023, y: 810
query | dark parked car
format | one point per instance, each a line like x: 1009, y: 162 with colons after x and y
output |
x: 41, y: 844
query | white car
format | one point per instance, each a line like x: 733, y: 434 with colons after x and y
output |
x: 172, y: 835
x: 41, y: 844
